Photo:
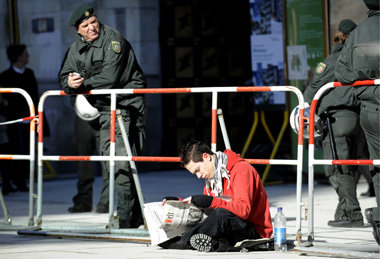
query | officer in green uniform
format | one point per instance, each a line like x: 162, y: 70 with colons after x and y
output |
x: 360, y: 60
x: 105, y: 60
x: 342, y: 109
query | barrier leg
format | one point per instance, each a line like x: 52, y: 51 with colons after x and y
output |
x: 224, y: 130
x: 299, y: 196
x: 113, y: 222
x: 39, y: 190
x: 310, y: 217
x: 31, y: 193
x: 133, y: 166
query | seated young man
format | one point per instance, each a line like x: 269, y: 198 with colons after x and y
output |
x: 245, y: 215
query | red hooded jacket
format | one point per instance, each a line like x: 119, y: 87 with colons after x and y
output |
x: 249, y: 199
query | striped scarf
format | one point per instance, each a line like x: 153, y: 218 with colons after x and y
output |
x: 220, y: 172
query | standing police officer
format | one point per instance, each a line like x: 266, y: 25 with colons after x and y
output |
x: 342, y: 109
x: 105, y: 60
x: 360, y: 60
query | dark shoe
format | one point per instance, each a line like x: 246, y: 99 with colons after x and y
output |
x: 101, y: 208
x: 370, y: 192
x: 77, y: 208
x: 201, y: 242
x: 375, y: 224
x: 346, y: 223
x: 174, y: 243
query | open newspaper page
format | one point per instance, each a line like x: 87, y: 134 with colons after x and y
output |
x: 172, y: 219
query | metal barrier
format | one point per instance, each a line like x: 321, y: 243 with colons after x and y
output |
x: 313, y: 161
x: 30, y: 157
x: 112, y: 157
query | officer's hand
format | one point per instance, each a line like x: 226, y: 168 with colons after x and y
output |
x: 74, y: 81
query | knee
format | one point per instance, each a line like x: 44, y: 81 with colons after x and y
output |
x: 220, y: 213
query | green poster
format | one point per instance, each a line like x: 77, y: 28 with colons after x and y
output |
x: 305, y: 49
x: 305, y: 27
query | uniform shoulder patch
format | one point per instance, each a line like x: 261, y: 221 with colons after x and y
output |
x: 116, y: 47
x: 320, y: 68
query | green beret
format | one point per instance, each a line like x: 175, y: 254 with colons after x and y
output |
x: 346, y: 26
x: 80, y: 14
x: 372, y: 4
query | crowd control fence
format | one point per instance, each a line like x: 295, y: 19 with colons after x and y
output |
x: 312, y: 161
x: 31, y: 157
x: 112, y: 221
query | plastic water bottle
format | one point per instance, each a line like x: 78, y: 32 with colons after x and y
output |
x: 280, y: 231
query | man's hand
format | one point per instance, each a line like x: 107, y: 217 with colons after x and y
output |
x: 169, y: 198
x: 74, y: 80
x: 187, y: 200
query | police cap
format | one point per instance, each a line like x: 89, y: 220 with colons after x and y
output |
x: 80, y: 14
x: 346, y: 26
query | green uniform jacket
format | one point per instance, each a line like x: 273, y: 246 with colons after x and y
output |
x: 360, y: 58
x: 107, y: 63
x: 336, y: 98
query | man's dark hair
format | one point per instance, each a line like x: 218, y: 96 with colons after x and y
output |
x: 193, y: 151
x: 14, y: 51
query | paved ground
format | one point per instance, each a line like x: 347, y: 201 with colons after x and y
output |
x: 330, y: 242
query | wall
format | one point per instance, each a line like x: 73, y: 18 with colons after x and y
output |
x: 340, y: 9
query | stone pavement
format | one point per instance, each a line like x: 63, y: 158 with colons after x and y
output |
x: 330, y: 242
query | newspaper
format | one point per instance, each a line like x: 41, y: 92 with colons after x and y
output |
x: 172, y: 219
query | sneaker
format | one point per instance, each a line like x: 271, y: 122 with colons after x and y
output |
x: 346, y: 223
x: 77, y: 208
x: 201, y: 242
x: 375, y: 224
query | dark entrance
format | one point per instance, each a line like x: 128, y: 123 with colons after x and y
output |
x: 204, y: 44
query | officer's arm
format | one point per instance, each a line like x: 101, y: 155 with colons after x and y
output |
x: 323, y: 74
x: 68, y: 66
x: 314, y: 85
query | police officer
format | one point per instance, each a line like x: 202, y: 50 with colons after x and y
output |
x: 105, y: 60
x: 360, y: 60
x: 342, y: 110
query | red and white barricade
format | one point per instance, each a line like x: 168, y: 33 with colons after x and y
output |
x: 214, y: 114
x: 31, y: 156
x: 312, y: 161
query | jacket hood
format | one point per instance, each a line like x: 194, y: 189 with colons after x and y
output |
x: 233, y: 158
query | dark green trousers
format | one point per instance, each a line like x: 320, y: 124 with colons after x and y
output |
x: 345, y: 127
x: 85, y: 144
x: 370, y: 122
x: 128, y: 207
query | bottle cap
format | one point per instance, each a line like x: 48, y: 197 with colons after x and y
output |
x: 279, y: 209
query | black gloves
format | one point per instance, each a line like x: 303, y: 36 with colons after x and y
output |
x: 171, y: 198
x: 202, y: 201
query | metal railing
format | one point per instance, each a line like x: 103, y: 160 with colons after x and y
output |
x: 214, y: 114
x: 30, y: 156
